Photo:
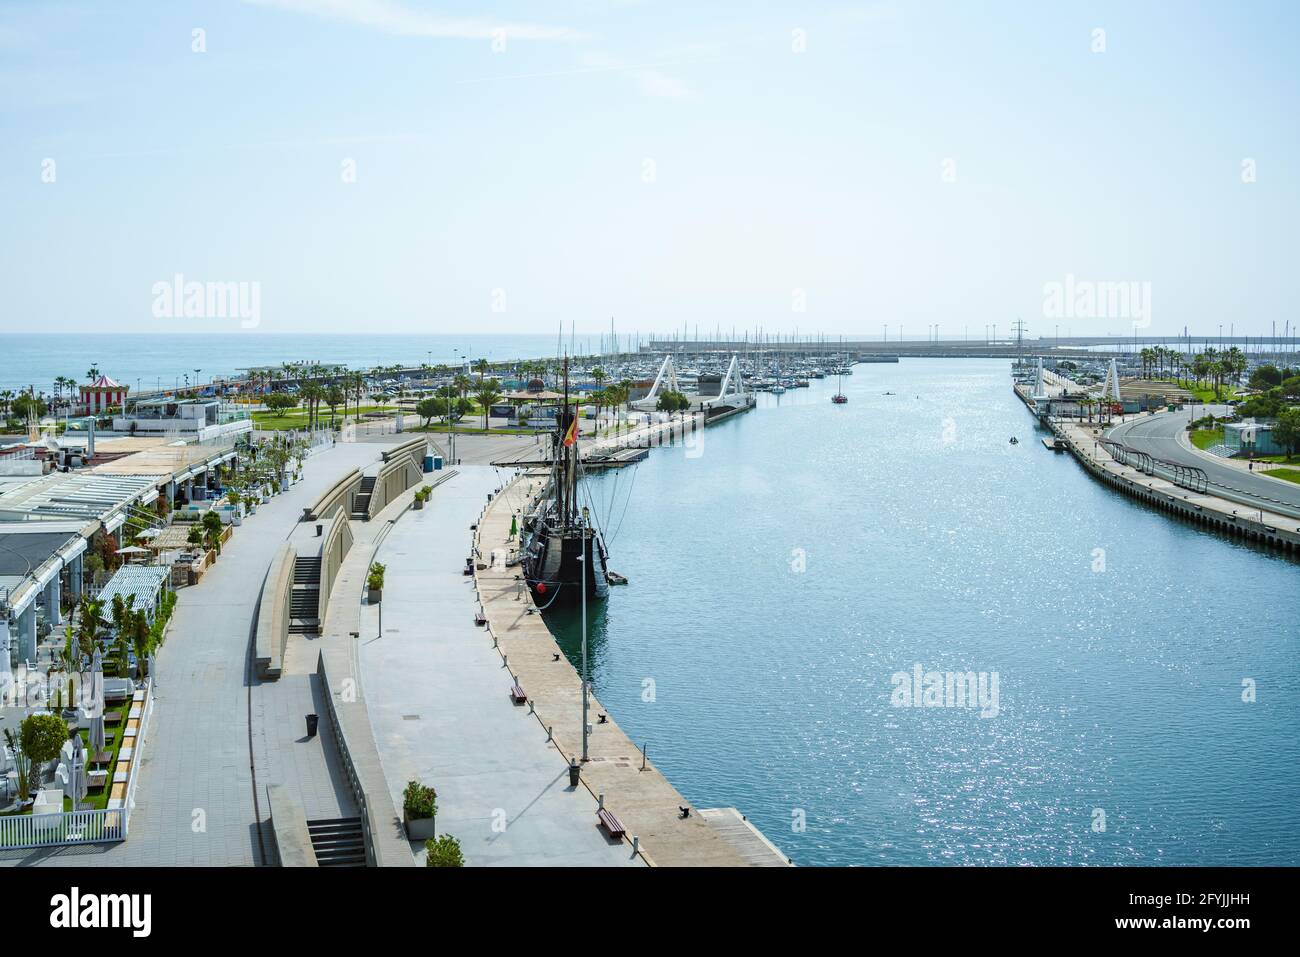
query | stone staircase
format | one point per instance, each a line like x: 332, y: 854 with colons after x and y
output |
x: 361, y: 504
x: 304, y: 600
x: 338, y: 842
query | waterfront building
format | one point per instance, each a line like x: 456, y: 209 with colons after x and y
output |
x: 1251, y: 437
x: 104, y: 393
x: 197, y: 419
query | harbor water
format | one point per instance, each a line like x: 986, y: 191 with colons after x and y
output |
x: 785, y: 571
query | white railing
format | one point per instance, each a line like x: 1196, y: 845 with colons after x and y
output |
x: 82, y: 827
x: 137, y: 755
x: 66, y: 827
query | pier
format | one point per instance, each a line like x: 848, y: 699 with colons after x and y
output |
x: 632, y: 787
x: 1181, y: 495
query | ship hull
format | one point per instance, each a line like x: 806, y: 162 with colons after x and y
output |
x: 553, y: 568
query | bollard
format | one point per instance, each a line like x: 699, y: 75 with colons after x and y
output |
x: 636, y: 845
x: 550, y: 735
x: 600, y: 798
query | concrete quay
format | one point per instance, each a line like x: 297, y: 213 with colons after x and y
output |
x: 1220, y: 514
x: 634, y: 790
x: 440, y: 707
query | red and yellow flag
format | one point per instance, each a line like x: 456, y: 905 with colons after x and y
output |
x: 571, y: 436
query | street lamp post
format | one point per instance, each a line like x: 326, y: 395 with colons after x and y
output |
x: 582, y: 587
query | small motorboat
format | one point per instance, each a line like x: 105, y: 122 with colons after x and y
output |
x: 839, y: 398
x: 1014, y: 440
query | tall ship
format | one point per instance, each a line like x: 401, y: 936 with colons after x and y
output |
x: 559, y: 530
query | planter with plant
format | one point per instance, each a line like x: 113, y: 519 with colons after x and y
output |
x: 41, y: 737
x: 443, y: 851
x: 422, y: 496
x: 419, y: 806
x: 375, y: 583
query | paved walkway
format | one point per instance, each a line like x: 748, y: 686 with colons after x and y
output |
x: 644, y: 800
x: 194, y: 804
x: 439, y: 702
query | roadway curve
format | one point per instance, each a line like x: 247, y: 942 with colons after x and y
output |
x: 1157, y: 435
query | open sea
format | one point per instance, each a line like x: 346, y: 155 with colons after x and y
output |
x: 144, y: 361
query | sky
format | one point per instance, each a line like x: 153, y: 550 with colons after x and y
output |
x: 855, y: 169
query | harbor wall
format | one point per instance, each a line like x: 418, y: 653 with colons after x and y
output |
x: 1208, y: 511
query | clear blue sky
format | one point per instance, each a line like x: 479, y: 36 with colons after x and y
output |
x: 523, y: 169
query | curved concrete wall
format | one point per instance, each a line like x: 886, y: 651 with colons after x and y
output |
x: 335, y: 548
x: 338, y: 498
x: 400, y: 474
x: 273, y: 613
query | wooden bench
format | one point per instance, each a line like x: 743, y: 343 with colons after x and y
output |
x: 517, y: 694
x: 612, y: 825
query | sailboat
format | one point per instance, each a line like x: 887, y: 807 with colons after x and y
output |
x: 839, y: 398
x: 557, y: 534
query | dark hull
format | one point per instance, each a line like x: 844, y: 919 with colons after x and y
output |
x: 554, y: 572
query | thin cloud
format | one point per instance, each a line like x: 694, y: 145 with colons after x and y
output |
x: 654, y: 83
x: 392, y: 17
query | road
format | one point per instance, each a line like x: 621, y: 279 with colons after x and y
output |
x: 1157, y: 435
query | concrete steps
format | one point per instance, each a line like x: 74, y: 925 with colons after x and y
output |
x: 361, y: 504
x: 338, y: 842
x: 304, y: 599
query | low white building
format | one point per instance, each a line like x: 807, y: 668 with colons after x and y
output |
x: 196, y: 419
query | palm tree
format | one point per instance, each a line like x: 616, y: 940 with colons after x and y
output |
x: 481, y: 367
x: 92, y: 373
x: 487, y: 396
x: 311, y: 394
x: 462, y: 384
x: 334, y: 397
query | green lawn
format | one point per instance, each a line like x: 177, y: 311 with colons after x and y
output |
x: 297, y: 418
x: 1291, y: 475
x: 1204, y: 395
x: 1205, y: 438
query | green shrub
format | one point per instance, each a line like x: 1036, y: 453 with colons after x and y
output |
x: 443, y: 851
x: 375, y: 580
x: 42, y: 737
x: 419, y: 801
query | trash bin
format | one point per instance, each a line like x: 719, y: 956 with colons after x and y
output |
x: 320, y: 529
x: 575, y: 769
x: 313, y: 721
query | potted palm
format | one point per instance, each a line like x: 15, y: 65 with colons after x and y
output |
x: 375, y: 583
x: 419, y: 805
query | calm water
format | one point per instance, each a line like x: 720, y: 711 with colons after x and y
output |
x: 162, y: 361
x: 928, y: 539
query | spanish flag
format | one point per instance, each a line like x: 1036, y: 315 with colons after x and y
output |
x: 571, y: 436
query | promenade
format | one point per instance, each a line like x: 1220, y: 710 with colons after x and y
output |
x: 1203, y: 507
x: 439, y: 703
x: 641, y: 797
x: 212, y: 722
